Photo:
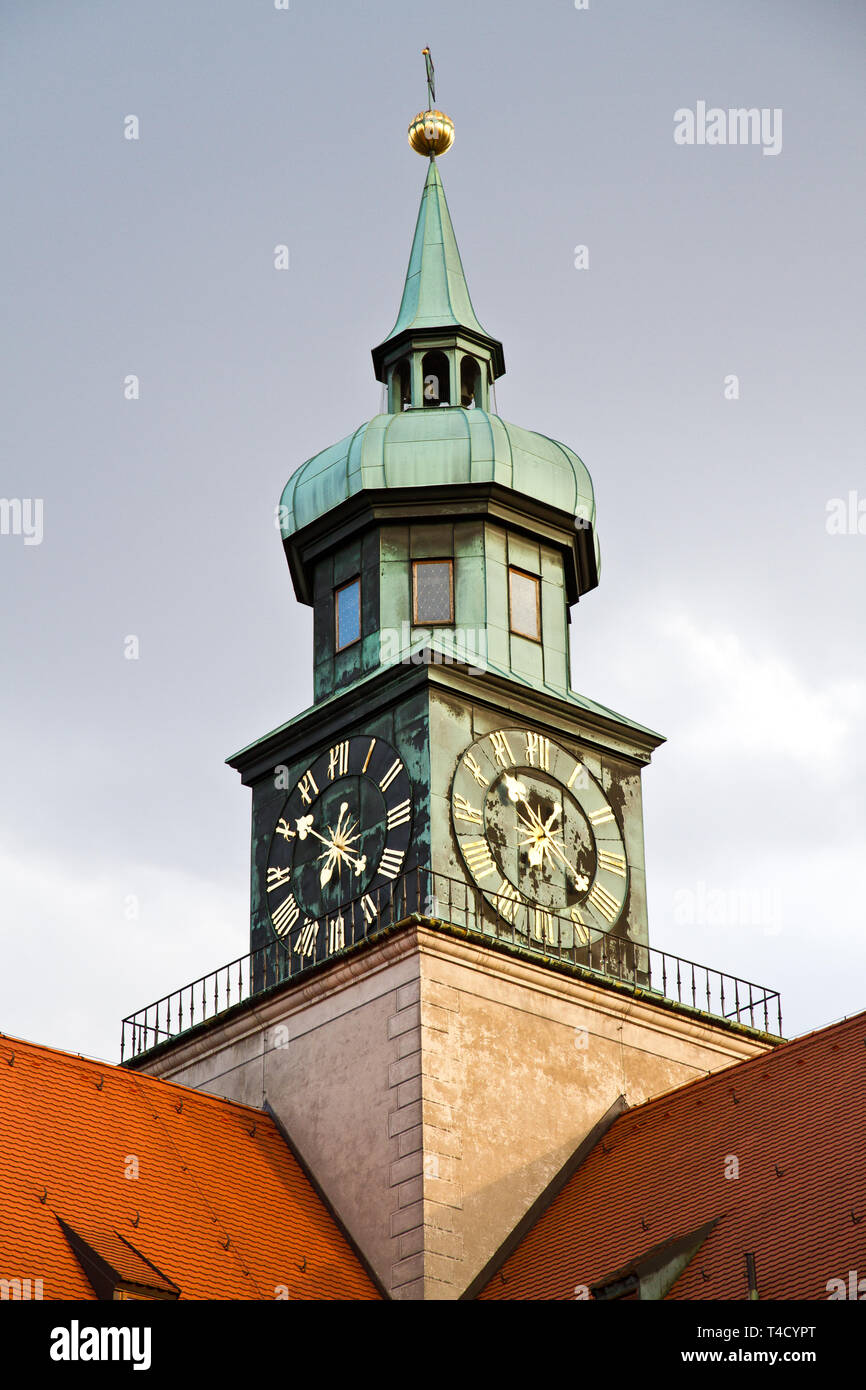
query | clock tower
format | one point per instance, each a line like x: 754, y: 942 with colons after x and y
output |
x: 446, y: 767
x: 451, y: 982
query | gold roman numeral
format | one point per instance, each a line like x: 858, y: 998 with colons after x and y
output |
x: 369, y: 908
x: 541, y: 921
x: 604, y: 903
x: 285, y: 830
x: 478, y: 857
x: 464, y: 811
x: 336, y: 935
x: 614, y: 863
x: 398, y: 815
x: 307, y: 787
x: 391, y: 862
x: 277, y: 878
x: 538, y: 751
x: 502, y: 750
x: 286, y: 915
x: 393, y: 771
x: 306, y: 943
x: 473, y: 767
x: 581, y: 930
x: 601, y: 817
x: 369, y: 755
x: 338, y: 761
x: 508, y: 900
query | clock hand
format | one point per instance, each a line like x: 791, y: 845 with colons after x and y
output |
x: 337, y: 856
x: 359, y: 864
x: 337, y: 845
x: 517, y: 791
x: 310, y: 831
x: 581, y: 880
x: 540, y: 840
x: 328, y: 869
x: 537, y: 832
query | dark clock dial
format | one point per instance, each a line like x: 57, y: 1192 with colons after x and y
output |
x: 539, y: 837
x: 340, y: 841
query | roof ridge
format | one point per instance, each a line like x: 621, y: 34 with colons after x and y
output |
x: 786, y: 1047
x: 121, y: 1070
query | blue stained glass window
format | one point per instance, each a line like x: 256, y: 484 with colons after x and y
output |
x: 348, y: 614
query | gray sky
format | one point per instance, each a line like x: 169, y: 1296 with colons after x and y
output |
x: 728, y: 617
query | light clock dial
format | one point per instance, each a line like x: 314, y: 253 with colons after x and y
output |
x: 539, y: 837
x: 341, y: 839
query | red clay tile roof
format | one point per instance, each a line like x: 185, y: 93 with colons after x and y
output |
x: 220, y: 1205
x: 795, y: 1120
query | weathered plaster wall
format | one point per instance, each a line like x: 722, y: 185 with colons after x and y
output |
x: 435, y: 1086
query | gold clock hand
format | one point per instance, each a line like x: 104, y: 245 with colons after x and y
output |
x: 358, y: 864
x: 324, y: 840
x: 337, y: 843
x: 516, y: 789
x: 541, y: 840
x: 581, y: 880
x: 327, y: 871
x: 536, y: 835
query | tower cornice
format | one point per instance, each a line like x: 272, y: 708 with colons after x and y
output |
x: 463, y: 501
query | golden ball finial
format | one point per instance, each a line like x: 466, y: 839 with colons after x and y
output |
x: 431, y: 132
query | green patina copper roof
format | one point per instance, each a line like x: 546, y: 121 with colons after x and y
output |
x: 437, y: 641
x: 433, y: 448
x: 435, y: 294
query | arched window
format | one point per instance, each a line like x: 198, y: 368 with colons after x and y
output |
x: 401, y: 385
x: 436, y: 377
x: 470, y: 381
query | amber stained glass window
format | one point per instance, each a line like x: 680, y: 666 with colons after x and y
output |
x: 433, y: 584
x: 524, y: 601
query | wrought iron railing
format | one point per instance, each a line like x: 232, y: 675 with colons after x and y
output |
x: 455, y: 903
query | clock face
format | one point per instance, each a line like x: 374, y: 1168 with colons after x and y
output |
x: 339, y: 843
x: 539, y: 837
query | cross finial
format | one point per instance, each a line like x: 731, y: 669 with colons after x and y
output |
x: 431, y: 78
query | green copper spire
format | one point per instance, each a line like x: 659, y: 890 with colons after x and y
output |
x: 435, y: 296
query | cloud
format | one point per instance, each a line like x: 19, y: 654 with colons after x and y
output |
x: 754, y: 700
x: 84, y: 944
x: 779, y: 918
